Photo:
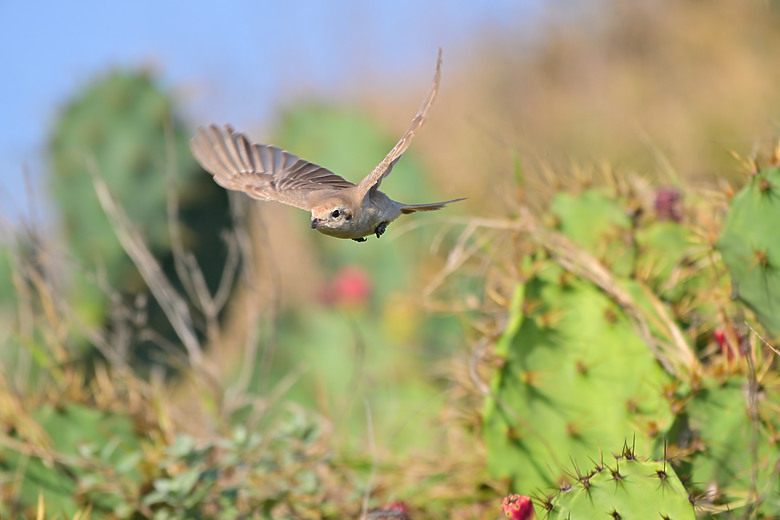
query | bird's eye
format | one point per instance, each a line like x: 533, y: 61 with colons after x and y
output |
x: 335, y: 213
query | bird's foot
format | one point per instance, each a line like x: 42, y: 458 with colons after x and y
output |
x: 361, y: 239
x: 380, y: 229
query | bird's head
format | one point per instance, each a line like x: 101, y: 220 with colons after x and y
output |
x: 334, y: 217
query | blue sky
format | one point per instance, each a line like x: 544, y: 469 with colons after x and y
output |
x: 230, y: 61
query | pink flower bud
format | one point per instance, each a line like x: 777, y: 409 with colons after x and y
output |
x: 668, y: 204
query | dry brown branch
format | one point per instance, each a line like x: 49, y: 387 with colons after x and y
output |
x: 172, y: 304
x: 187, y: 269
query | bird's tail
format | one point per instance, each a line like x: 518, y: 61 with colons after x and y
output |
x: 411, y: 208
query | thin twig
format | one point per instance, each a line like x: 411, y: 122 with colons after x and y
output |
x: 187, y: 269
x: 172, y: 304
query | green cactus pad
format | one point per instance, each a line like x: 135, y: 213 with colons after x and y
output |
x: 626, y: 489
x: 728, y: 451
x: 119, y: 125
x: 665, y: 249
x: 750, y: 247
x: 576, y: 377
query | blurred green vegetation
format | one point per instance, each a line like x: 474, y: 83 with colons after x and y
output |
x: 221, y: 360
x: 377, y: 347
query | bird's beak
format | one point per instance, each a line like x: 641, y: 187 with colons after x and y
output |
x: 315, y: 222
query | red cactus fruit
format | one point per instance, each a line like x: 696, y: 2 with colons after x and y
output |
x: 518, y: 507
x: 397, y: 506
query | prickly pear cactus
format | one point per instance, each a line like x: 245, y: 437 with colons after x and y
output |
x: 116, y: 127
x: 624, y: 488
x: 575, y: 377
x: 119, y: 125
x: 124, y: 128
x: 750, y: 247
x: 726, y: 454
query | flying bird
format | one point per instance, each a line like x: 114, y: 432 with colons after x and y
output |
x: 338, y: 207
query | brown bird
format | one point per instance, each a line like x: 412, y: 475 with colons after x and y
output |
x: 338, y: 207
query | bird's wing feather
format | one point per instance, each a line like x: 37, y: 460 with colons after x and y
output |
x: 263, y: 171
x: 384, y: 168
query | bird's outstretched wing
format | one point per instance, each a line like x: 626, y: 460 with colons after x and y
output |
x: 384, y: 168
x: 262, y: 171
